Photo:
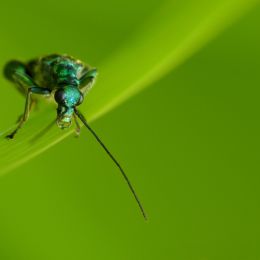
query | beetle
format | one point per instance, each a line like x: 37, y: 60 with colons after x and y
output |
x: 66, y: 79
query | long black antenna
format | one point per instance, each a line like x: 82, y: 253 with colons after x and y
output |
x: 84, y: 121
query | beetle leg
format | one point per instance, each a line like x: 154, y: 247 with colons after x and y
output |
x: 32, y: 105
x: 87, y: 80
x: 15, y: 71
x: 11, y: 70
x: 36, y: 90
x: 77, y: 129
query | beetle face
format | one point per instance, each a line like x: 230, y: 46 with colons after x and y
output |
x: 67, y: 98
x: 64, y: 116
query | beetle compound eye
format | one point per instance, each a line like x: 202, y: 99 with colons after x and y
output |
x: 59, y: 96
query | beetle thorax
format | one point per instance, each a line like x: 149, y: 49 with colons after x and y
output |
x: 66, y: 74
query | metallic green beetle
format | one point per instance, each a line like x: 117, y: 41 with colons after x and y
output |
x: 69, y: 80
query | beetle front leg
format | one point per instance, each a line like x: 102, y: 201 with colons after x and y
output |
x: 15, y: 71
x: 77, y: 129
x: 87, y: 80
x: 32, y: 105
x: 24, y: 118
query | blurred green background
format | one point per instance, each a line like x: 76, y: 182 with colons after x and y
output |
x: 189, y: 143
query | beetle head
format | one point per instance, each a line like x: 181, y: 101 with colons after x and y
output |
x: 67, y: 98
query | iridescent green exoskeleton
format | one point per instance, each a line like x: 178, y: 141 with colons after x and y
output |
x: 67, y: 80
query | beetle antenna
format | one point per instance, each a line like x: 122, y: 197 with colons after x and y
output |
x: 84, y: 121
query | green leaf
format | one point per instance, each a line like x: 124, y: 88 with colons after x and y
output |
x: 161, y: 44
